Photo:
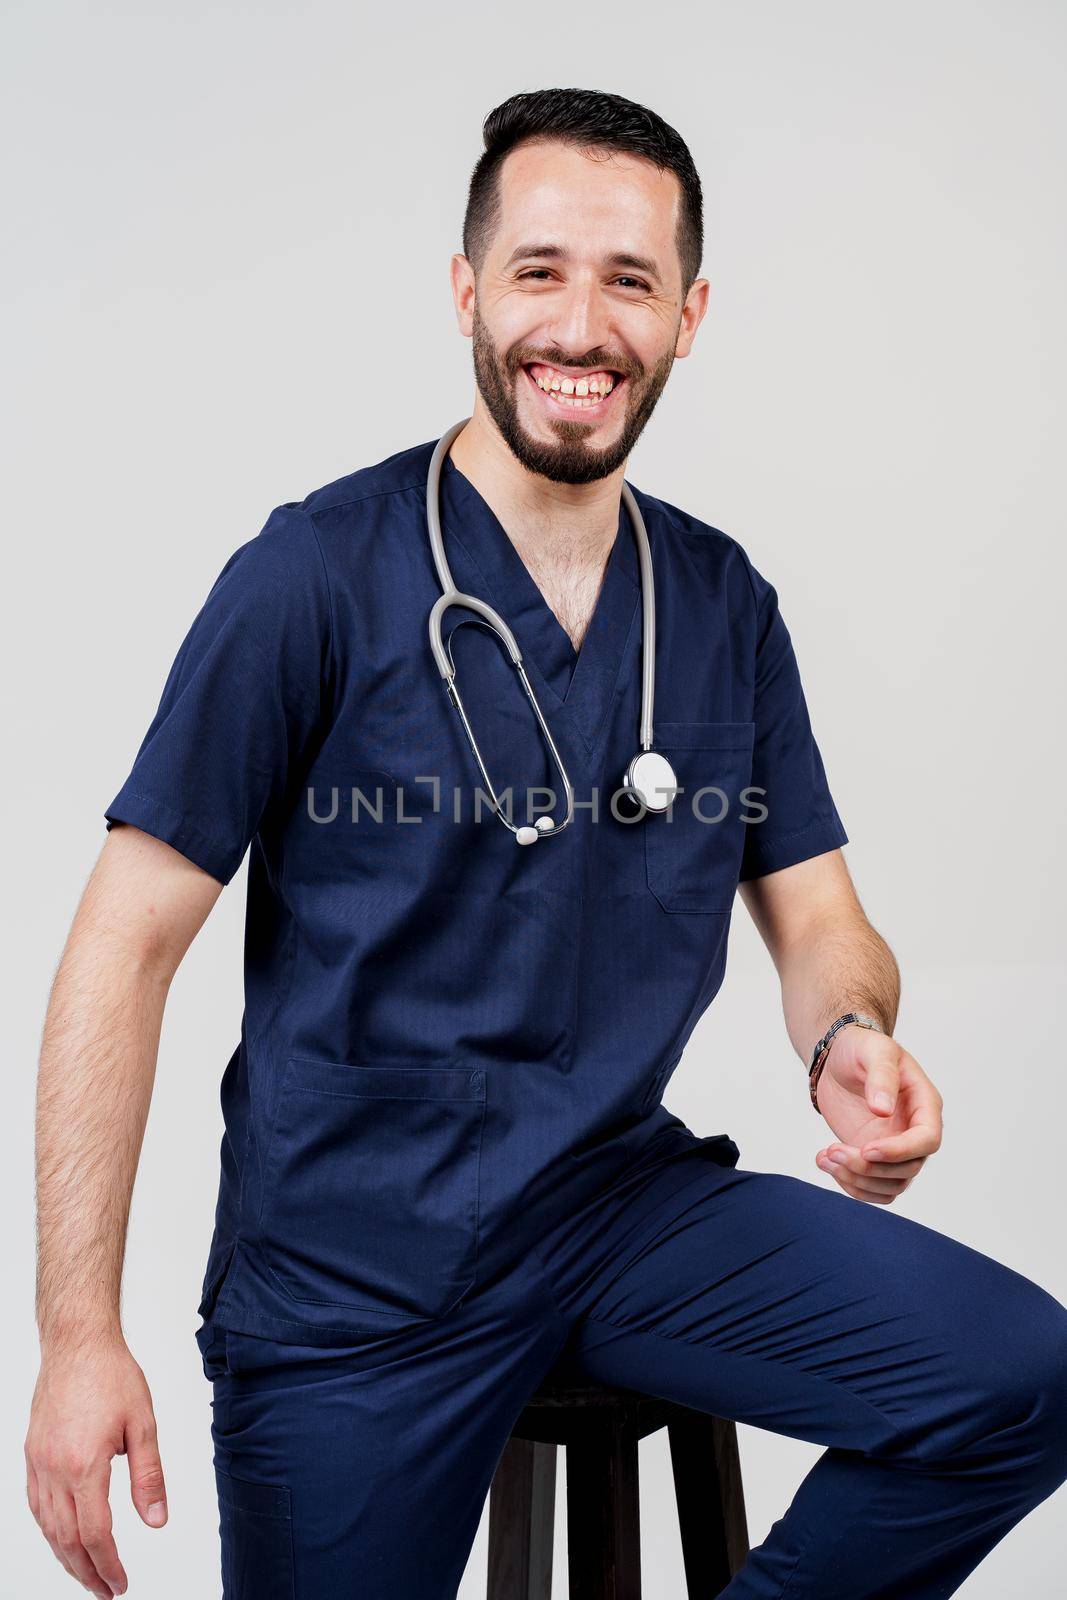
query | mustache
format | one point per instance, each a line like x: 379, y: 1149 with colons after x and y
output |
x: 598, y: 361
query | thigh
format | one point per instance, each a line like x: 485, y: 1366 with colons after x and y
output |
x: 767, y: 1299
x: 362, y: 1472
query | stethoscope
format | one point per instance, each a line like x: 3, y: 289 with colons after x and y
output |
x: 649, y: 777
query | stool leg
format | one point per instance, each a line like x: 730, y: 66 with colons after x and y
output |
x: 522, y: 1507
x: 603, y: 1514
x: 711, y: 1501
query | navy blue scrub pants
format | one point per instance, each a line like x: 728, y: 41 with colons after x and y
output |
x: 935, y: 1376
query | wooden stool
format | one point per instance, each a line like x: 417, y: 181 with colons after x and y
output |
x: 600, y: 1428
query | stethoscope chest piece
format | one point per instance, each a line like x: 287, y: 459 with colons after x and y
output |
x: 650, y: 777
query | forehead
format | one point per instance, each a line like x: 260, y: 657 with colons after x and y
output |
x: 553, y: 191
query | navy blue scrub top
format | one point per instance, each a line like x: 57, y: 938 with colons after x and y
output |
x: 449, y: 1039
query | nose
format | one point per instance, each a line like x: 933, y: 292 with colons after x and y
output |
x: 581, y: 319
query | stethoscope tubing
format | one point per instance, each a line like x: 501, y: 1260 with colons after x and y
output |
x: 452, y: 596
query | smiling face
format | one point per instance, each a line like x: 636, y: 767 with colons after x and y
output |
x: 577, y: 312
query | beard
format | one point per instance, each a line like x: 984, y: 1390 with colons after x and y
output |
x: 570, y: 458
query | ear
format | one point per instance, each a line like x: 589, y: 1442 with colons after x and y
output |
x: 696, y: 303
x: 462, y: 276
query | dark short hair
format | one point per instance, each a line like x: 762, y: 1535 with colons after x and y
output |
x: 590, y: 119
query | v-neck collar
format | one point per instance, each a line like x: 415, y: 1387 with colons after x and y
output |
x: 581, y: 682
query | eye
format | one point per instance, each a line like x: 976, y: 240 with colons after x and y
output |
x: 638, y: 281
x: 532, y: 272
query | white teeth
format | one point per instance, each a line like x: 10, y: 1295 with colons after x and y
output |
x: 577, y: 392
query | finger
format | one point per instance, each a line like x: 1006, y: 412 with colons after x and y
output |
x: 858, y: 1194
x: 882, y: 1075
x: 147, y: 1489
x: 876, y: 1185
x: 94, y: 1527
x: 69, y: 1541
x: 917, y: 1142
x: 895, y: 1169
x: 888, y: 1186
x: 849, y: 1157
x: 923, y: 1134
x: 873, y: 1169
x: 48, y: 1526
x: 48, y: 1523
x: 33, y: 1491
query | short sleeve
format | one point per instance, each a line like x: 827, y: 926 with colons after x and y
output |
x: 801, y: 819
x: 241, y: 704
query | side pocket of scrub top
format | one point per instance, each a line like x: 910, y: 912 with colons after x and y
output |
x: 371, y: 1187
x: 256, y: 1531
x: 693, y: 853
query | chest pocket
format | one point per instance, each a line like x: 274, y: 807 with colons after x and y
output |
x: 693, y: 852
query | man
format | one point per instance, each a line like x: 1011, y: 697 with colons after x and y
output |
x: 447, y: 1165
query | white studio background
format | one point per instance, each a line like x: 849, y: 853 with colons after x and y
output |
x: 226, y: 284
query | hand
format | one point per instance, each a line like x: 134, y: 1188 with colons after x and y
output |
x: 884, y: 1141
x: 91, y: 1403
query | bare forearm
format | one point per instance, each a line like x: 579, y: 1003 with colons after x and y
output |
x: 880, y: 1105
x: 839, y: 964
x: 141, y: 909
x: 97, y: 1068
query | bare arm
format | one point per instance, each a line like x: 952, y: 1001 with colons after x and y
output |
x: 142, y: 907
x: 831, y: 960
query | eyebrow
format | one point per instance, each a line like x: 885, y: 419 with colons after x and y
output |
x: 555, y: 252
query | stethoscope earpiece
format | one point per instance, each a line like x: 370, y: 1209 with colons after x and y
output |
x: 528, y: 835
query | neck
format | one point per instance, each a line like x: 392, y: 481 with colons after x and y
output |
x: 575, y: 521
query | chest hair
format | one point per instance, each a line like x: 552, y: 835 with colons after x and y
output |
x: 570, y: 580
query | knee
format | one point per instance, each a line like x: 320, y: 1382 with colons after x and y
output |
x: 1049, y: 1382
x: 1031, y: 1402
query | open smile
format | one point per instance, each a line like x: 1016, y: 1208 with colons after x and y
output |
x: 575, y: 392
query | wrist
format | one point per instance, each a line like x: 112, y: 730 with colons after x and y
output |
x: 821, y: 1049
x: 61, y: 1340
